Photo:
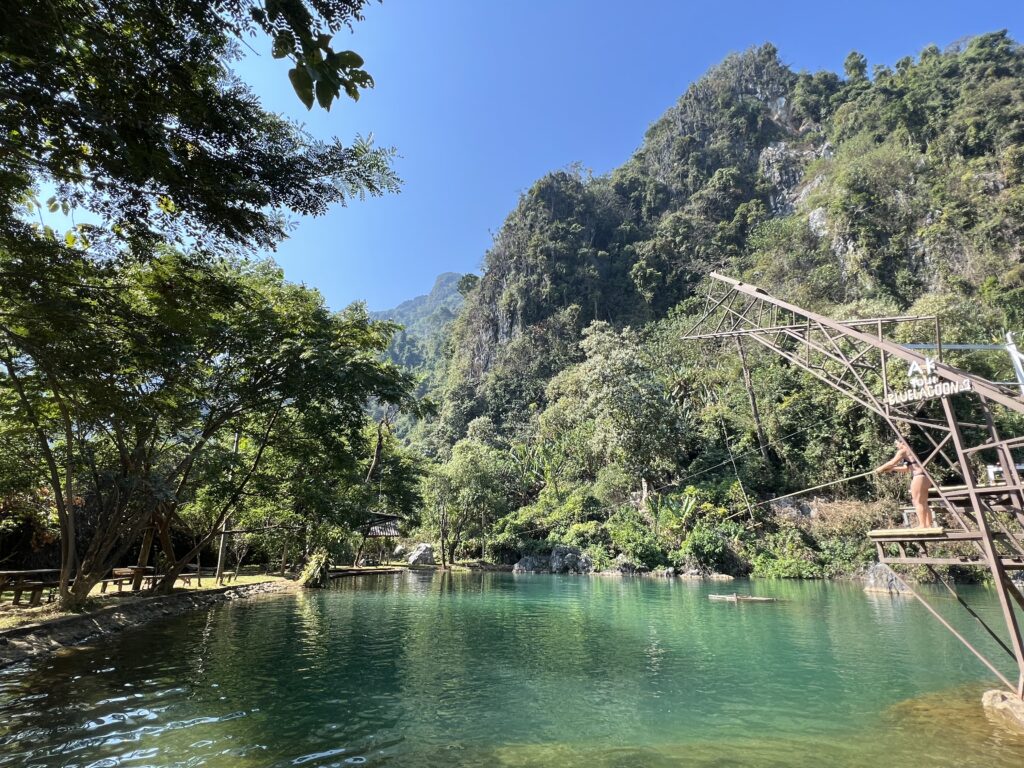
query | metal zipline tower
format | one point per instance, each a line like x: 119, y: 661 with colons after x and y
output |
x: 951, y: 409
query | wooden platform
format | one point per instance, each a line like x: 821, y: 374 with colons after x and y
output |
x: 337, y: 573
x: 905, y: 534
x: 734, y: 598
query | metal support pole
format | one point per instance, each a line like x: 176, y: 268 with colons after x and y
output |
x: 762, y: 443
x: 995, y: 563
x: 1017, y: 359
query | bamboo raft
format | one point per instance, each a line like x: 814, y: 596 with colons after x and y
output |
x: 735, y: 598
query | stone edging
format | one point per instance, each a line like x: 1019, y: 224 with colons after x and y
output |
x: 31, y: 641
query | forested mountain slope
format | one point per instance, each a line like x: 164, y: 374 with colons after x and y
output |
x: 424, y: 320
x: 426, y: 315
x: 853, y: 194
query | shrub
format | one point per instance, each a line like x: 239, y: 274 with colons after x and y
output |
x: 633, y: 536
x: 786, y: 554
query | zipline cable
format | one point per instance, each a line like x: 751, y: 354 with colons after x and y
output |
x: 817, y: 487
x: 807, y: 490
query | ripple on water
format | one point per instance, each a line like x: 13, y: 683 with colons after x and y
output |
x: 469, y: 670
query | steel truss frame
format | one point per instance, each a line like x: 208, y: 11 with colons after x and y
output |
x: 855, y: 358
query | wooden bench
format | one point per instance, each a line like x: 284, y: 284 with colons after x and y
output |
x: 185, y: 577
x: 35, y: 590
x: 134, y: 575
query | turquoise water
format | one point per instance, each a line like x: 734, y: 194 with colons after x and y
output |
x: 430, y: 669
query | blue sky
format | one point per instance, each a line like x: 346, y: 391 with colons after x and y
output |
x: 482, y: 97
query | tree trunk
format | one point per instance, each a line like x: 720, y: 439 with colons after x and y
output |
x: 762, y: 443
x: 166, y: 584
x: 147, y: 545
x: 222, y: 550
x: 443, y: 536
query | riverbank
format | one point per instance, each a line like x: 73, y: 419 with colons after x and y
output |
x: 117, y: 613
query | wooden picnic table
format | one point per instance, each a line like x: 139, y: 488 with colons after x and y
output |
x: 131, y: 575
x: 31, y: 581
x: 16, y: 576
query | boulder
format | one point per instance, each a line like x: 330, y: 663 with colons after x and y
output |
x: 533, y: 564
x: 817, y: 220
x: 692, y: 573
x: 880, y: 578
x: 399, y: 551
x: 570, y: 560
x: 422, y: 555
x: 1004, y: 708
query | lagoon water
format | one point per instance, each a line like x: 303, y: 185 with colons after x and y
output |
x: 432, y: 669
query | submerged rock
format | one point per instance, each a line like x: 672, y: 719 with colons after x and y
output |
x: 422, y: 555
x: 570, y: 560
x: 880, y: 578
x: 533, y: 564
x: 1004, y: 708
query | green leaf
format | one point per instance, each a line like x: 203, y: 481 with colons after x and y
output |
x: 283, y: 45
x: 347, y: 59
x: 325, y: 94
x: 303, y: 85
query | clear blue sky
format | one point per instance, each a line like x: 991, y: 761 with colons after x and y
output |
x: 482, y: 97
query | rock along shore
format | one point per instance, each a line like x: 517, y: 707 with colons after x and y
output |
x: 32, y: 641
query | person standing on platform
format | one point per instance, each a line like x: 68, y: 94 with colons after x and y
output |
x: 904, y: 461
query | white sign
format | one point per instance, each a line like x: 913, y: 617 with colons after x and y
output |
x: 924, y: 384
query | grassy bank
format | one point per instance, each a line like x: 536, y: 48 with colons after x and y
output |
x: 12, y: 616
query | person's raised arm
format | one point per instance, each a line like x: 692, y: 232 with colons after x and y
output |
x: 893, y: 465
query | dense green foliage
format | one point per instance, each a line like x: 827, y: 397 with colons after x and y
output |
x: 154, y: 378
x: 853, y: 195
x: 130, y: 113
x: 159, y: 380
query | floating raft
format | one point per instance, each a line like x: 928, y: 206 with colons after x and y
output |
x: 895, y: 533
x: 734, y: 598
x: 337, y: 573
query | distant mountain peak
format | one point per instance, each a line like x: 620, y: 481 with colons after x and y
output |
x: 427, y: 315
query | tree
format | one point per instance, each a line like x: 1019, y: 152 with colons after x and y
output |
x: 130, y: 363
x: 633, y: 420
x: 855, y: 66
x: 461, y: 493
x: 136, y: 413
x: 128, y: 110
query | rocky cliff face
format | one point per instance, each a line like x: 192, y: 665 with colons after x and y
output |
x: 822, y: 189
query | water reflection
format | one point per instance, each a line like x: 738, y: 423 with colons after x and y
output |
x: 494, y: 669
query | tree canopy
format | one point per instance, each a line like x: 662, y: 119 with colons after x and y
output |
x: 129, y: 113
